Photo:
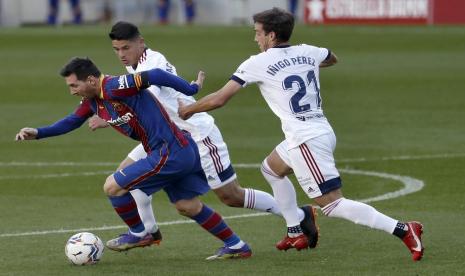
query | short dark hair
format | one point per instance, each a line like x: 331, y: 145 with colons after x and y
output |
x: 124, y: 31
x: 278, y: 21
x: 82, y: 67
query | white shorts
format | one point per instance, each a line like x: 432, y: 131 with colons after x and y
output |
x: 313, y: 164
x: 214, y: 157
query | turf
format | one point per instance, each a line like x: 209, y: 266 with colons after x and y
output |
x: 395, y: 100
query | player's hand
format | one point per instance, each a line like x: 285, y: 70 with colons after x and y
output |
x: 27, y: 133
x: 95, y: 122
x: 182, y: 110
x: 200, y: 79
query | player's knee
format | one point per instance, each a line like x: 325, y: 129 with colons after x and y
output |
x: 188, y: 207
x: 273, y: 166
x: 111, y: 188
x: 267, y: 171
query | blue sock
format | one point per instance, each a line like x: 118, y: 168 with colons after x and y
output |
x: 214, y: 223
x: 126, y: 208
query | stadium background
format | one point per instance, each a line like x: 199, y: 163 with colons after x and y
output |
x: 396, y: 101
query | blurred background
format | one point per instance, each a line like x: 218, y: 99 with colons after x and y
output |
x: 227, y: 12
x: 395, y: 99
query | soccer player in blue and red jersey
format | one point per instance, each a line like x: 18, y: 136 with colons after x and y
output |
x: 172, y: 162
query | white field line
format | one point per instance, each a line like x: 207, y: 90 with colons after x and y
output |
x: 411, y: 185
x: 114, y: 164
x: 58, y: 164
x: 404, y: 157
x: 54, y: 175
x: 104, y: 228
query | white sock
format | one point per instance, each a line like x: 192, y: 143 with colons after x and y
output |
x: 263, y: 201
x: 259, y: 200
x: 140, y: 235
x: 238, y: 245
x: 360, y: 213
x: 144, y: 206
x: 284, y: 194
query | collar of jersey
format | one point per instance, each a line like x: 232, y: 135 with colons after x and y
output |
x: 282, y: 46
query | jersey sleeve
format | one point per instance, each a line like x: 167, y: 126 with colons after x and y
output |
x: 129, y: 85
x: 245, y: 73
x: 160, y: 77
x: 320, y: 54
x: 69, y: 123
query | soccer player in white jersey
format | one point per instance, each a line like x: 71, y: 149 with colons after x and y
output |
x: 130, y: 48
x: 288, y: 79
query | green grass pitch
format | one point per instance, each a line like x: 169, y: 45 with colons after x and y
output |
x: 396, y: 101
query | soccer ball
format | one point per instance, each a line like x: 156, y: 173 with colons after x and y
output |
x: 84, y: 249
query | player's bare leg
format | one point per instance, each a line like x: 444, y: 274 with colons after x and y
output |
x: 233, y: 195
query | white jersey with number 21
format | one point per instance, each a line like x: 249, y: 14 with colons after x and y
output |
x: 288, y: 78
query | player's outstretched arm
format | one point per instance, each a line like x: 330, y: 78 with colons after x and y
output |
x: 27, y: 133
x: 163, y: 78
x: 212, y: 101
x: 65, y: 125
x: 331, y: 60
